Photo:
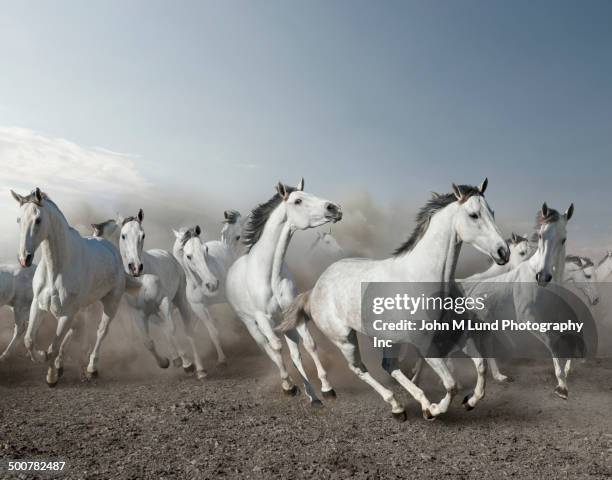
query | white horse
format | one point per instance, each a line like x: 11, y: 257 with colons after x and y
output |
x: 580, y: 271
x: 148, y: 302
x: 604, y: 267
x: 206, y: 266
x: 429, y: 255
x: 16, y: 292
x: 520, y: 250
x: 258, y: 286
x: 516, y: 288
x: 73, y: 272
x: 171, y: 275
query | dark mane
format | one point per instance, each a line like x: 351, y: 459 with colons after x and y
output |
x: 605, y: 257
x: 231, y: 216
x: 258, y: 217
x: 128, y: 220
x: 436, y: 203
x: 552, y: 216
x: 578, y: 260
x: 519, y: 239
x: 187, y: 235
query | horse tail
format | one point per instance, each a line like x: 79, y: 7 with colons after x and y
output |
x: 297, y: 313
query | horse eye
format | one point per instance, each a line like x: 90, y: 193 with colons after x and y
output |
x: 238, y: 237
x: 298, y: 201
x: 123, y: 237
x: 587, y: 276
x: 143, y: 236
x: 188, y: 257
x: 563, y: 241
x: 37, y: 221
x: 474, y: 216
x: 522, y: 254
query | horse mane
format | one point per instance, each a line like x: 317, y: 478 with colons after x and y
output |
x: 436, y: 203
x: 519, y: 239
x: 552, y: 216
x: 187, y: 234
x: 231, y: 216
x: 128, y: 220
x: 258, y: 217
x: 605, y: 257
x: 578, y: 261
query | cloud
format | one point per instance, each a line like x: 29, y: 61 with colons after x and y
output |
x: 31, y: 159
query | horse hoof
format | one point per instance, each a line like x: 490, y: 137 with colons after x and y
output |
x: 189, y: 369
x: 60, y: 372
x: 466, y: 403
x: 91, y: 375
x: 316, y: 404
x: 427, y: 415
x: 164, y: 364
x: 561, y: 392
x: 51, y: 384
x: 177, y: 362
x: 330, y: 394
x: 222, y: 364
x: 400, y: 416
x: 292, y: 392
x: 201, y: 374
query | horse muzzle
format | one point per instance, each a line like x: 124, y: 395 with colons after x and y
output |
x: 26, y: 261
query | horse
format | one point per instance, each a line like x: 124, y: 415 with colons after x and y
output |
x: 171, y: 275
x: 73, y: 272
x: 16, y: 292
x: 258, y: 285
x: 206, y: 266
x: 520, y: 250
x: 580, y: 271
x: 604, y: 267
x: 148, y: 301
x: 546, y: 265
x: 429, y: 255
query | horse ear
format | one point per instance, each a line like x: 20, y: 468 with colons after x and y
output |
x: 140, y: 215
x: 483, y: 186
x: 19, y: 198
x: 582, y: 262
x: 198, y: 230
x: 514, y: 238
x: 97, y: 231
x: 300, y: 186
x: 282, y: 191
x: 569, y: 212
x: 176, y: 234
x: 226, y: 214
x: 457, y: 192
x: 38, y: 195
x: 544, y: 210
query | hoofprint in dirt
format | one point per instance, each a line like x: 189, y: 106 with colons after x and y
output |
x: 237, y: 425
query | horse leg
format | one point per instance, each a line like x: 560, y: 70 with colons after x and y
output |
x: 21, y: 318
x: 30, y: 336
x: 392, y: 366
x: 293, y: 342
x: 59, y: 360
x: 495, y: 373
x: 349, y: 347
x: 142, y: 322
x: 203, y: 314
x: 417, y: 370
x: 109, y: 309
x: 310, y: 346
x: 438, y: 365
x: 568, y: 366
x: 561, y: 388
x: 63, y: 326
x: 185, y: 310
x: 275, y: 354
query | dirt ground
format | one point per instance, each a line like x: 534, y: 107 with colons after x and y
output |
x: 138, y: 422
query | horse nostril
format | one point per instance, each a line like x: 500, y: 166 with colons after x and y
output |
x: 331, y: 208
x: 140, y: 268
x: 131, y: 267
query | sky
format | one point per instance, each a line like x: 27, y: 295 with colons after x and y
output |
x: 395, y: 99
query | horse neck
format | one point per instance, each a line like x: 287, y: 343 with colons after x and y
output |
x: 272, y: 246
x: 604, y: 269
x: 438, y: 249
x: 54, y: 248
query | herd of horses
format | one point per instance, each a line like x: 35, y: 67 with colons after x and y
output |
x: 246, y: 268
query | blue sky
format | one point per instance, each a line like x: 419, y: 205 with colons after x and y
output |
x: 397, y: 98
